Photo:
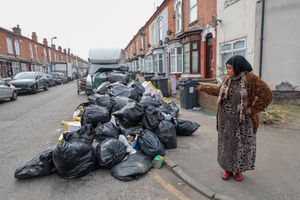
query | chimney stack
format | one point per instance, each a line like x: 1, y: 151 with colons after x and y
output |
x: 17, y: 30
x: 69, y: 51
x: 59, y: 48
x: 53, y: 46
x: 45, y: 42
x: 34, y: 36
x: 65, y: 51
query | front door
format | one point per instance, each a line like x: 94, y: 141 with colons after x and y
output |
x: 209, y: 57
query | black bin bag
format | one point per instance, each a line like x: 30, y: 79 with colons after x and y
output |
x: 130, y: 115
x: 74, y: 158
x: 147, y: 101
x: 119, y: 102
x: 110, y: 152
x: 151, y: 118
x: 150, y: 144
x: 41, y: 165
x: 134, y: 167
x: 101, y: 100
x: 101, y: 89
x: 185, y: 127
x: 117, y: 77
x: 106, y: 130
x: 139, y: 88
x: 94, y: 114
x: 117, y: 89
x: 166, y: 133
x: 134, y: 130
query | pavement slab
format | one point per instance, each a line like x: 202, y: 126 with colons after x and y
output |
x: 276, y: 175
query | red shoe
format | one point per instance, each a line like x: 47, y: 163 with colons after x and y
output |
x: 226, y: 175
x: 238, y: 176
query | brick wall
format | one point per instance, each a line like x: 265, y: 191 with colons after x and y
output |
x: 171, y: 20
x: 286, y: 96
x: 206, y: 9
x: 207, y: 102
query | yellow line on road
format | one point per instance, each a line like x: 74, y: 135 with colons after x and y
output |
x: 169, y: 187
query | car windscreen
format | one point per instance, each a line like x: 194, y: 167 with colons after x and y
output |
x: 102, y: 67
x: 25, y: 76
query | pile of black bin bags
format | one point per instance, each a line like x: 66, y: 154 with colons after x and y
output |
x: 118, y: 109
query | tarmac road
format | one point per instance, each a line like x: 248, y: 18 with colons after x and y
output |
x: 29, y: 125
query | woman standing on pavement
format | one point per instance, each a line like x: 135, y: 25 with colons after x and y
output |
x: 242, y: 95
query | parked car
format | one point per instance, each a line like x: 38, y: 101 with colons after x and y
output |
x: 30, y: 82
x: 50, y: 79
x: 7, y: 91
x: 60, y: 77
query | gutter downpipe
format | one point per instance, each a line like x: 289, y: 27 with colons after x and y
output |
x: 262, y: 38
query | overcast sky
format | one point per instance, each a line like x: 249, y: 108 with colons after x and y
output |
x: 81, y: 24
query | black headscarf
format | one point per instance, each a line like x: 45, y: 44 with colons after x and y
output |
x: 239, y: 64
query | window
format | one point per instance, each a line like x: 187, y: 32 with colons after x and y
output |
x: 49, y: 52
x: 186, y: 58
x: 154, y: 35
x: 195, y: 60
x: 193, y: 10
x: 176, y: 59
x: 36, y: 52
x: 158, y: 63
x: 179, y: 59
x: 17, y: 47
x: 55, y: 58
x: 10, y: 49
x: 143, y: 42
x: 45, y: 55
x: 148, y: 64
x: 229, y: 49
x: 135, y: 47
x: 160, y: 29
x: 142, y: 64
x: 31, y: 50
x: 172, y: 60
x: 178, y: 17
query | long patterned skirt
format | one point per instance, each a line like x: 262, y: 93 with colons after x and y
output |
x: 236, y: 141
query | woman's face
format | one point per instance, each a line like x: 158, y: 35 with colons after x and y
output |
x: 230, y: 70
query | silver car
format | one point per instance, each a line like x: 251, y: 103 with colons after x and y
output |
x: 7, y: 91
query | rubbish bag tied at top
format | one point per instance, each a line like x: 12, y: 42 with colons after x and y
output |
x: 74, y: 157
x: 41, y: 165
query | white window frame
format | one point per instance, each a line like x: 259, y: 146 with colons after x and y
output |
x: 160, y: 29
x: 158, y: 63
x: 9, y: 43
x: 142, y: 64
x: 174, y: 57
x: 187, y: 51
x: 31, y: 50
x: 149, y: 63
x: 17, y: 47
x: 36, y: 52
x: 193, y: 8
x: 154, y: 41
x: 143, y: 42
x: 231, y: 51
x: 45, y: 54
x: 178, y: 17
x: 49, y: 52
